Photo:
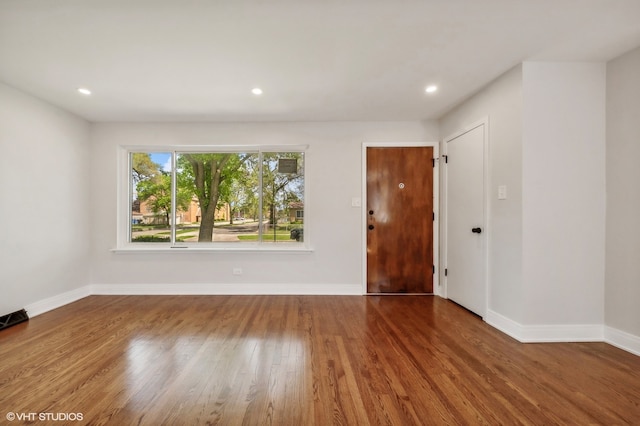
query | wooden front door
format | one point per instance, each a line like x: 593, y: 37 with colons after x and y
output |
x: 399, y: 219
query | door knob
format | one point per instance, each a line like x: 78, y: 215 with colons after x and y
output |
x: 371, y: 227
x: 476, y: 230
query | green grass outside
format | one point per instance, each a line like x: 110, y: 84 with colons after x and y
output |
x: 153, y: 239
x: 265, y: 237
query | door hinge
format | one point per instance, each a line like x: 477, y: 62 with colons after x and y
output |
x: 435, y: 160
x: 446, y: 272
x: 434, y: 269
x: 433, y: 216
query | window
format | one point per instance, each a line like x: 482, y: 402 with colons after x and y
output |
x: 194, y: 198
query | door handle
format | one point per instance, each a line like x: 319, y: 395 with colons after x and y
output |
x: 476, y: 230
x: 371, y: 227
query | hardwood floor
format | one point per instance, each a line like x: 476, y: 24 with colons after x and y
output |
x: 302, y: 360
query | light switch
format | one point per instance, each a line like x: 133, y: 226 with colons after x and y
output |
x: 502, y: 192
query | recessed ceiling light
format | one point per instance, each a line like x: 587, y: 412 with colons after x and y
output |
x: 431, y: 89
x: 84, y: 91
x: 256, y: 91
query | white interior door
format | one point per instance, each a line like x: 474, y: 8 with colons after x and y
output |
x: 465, y: 220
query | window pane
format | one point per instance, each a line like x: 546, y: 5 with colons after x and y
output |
x: 283, y: 197
x: 217, y: 197
x: 150, y: 197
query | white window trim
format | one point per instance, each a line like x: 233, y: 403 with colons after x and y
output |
x: 123, y: 220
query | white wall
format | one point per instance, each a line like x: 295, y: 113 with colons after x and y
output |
x: 334, y: 176
x: 563, y: 179
x: 622, y: 290
x: 501, y: 102
x: 44, y: 171
x: 546, y: 241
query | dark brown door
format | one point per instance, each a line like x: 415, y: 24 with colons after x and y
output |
x: 399, y: 220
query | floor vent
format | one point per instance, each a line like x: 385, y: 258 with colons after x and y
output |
x: 13, y: 318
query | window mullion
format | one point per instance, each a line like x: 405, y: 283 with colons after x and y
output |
x: 129, y: 196
x: 260, y: 204
x: 174, y: 189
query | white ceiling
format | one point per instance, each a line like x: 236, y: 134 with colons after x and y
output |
x: 316, y: 60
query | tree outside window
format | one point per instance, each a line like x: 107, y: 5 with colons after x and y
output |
x: 217, y: 197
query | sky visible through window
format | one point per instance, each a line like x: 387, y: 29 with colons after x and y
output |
x: 162, y: 158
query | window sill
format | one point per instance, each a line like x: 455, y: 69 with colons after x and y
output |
x: 209, y: 249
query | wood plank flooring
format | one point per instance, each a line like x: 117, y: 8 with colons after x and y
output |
x: 302, y: 360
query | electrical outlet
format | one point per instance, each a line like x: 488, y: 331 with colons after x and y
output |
x: 237, y: 271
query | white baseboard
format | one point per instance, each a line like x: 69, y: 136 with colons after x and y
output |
x: 563, y: 333
x: 51, y: 303
x: 622, y: 340
x: 546, y: 333
x: 504, y: 324
x: 227, y: 289
x: 48, y: 304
